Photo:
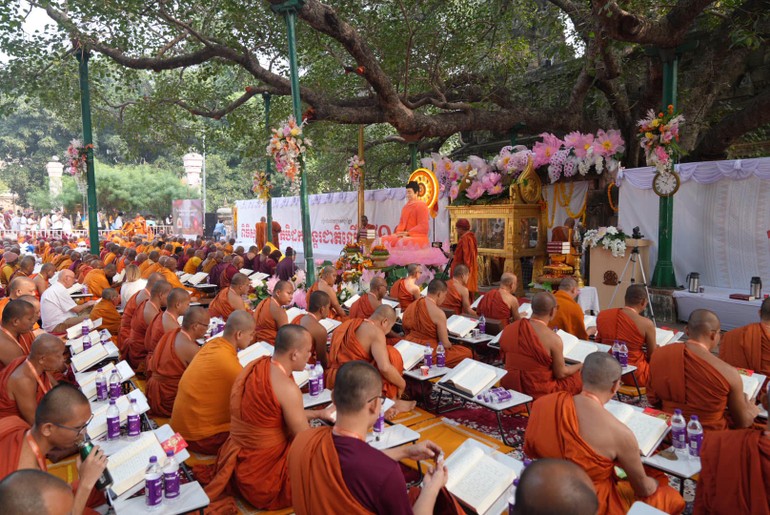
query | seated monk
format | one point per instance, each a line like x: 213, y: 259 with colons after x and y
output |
x: 43, y: 279
x: 98, y: 279
x: 18, y: 321
x: 29, y: 492
x: 270, y: 315
x: 26, y: 268
x: 230, y: 298
x: 414, y: 223
x: 26, y: 379
x: 17, y: 287
x: 581, y: 430
x: 232, y: 268
x: 325, y: 283
x: 555, y: 486
x: 749, y: 346
x: 174, y: 353
x: 140, y: 322
x: 569, y: 315
x: 318, y: 306
x: 167, y: 268
x: 501, y: 303
x: 406, y: 290
x: 425, y: 322
x: 151, y: 265
x: 192, y: 265
x: 201, y: 411
x: 266, y: 414
x: 107, y: 310
x: 129, y: 310
x: 60, y: 422
x: 368, y: 302
x: 177, y: 302
x: 689, y: 377
x: 334, y: 470
x: 735, y: 474
x: 458, y: 296
x: 627, y: 324
x: 534, y: 355
x: 26, y: 338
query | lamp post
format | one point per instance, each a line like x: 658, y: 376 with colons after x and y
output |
x: 82, y: 55
x: 289, y: 9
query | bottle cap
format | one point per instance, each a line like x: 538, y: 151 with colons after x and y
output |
x: 677, y: 411
x: 694, y: 417
x: 169, y: 453
x: 99, y: 370
x: 112, y: 401
x: 153, y: 459
x: 133, y: 401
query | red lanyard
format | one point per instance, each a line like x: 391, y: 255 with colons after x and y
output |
x: 592, y: 396
x: 699, y: 344
x: 344, y: 432
x: 6, y: 331
x: 36, y: 449
x: 279, y: 365
x: 37, y: 377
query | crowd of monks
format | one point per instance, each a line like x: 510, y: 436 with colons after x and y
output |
x: 252, y: 418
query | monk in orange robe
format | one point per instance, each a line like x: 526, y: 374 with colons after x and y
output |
x: 581, y: 430
x: 260, y: 232
x: 18, y: 319
x: 173, y: 354
x: 533, y: 354
x: 167, y: 269
x: 749, y: 346
x: 145, y: 312
x: 368, y: 302
x: 266, y: 414
x: 16, y: 288
x: 414, y: 224
x: 466, y: 253
x: 270, y: 315
x: 151, y: 265
x: 318, y: 306
x: 192, y: 265
x: 177, y: 302
x: 406, y: 290
x: 107, y: 310
x: 129, y: 311
x: 689, y: 377
x: 425, y: 322
x: 569, y: 315
x: 231, y: 298
x: 563, y: 232
x: 628, y: 325
x: 458, y: 296
x: 501, y: 303
x: 43, y: 279
x: 201, y: 411
x: 325, y: 283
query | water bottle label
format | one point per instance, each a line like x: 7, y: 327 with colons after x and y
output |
x: 134, y: 425
x: 321, y: 384
x: 623, y: 359
x: 101, y: 391
x: 86, y: 344
x: 379, y: 425
x: 153, y: 489
x: 696, y: 441
x: 171, y: 482
x: 314, y: 391
x: 113, y: 427
x: 679, y: 438
x: 115, y: 390
x: 427, y: 360
x: 441, y: 360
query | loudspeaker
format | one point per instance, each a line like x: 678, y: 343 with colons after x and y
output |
x: 210, y: 220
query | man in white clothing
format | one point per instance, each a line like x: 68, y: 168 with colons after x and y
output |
x: 57, y: 309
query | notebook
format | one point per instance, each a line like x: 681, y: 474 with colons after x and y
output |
x: 87, y: 380
x: 352, y: 300
x: 575, y: 349
x: 648, y: 429
x: 664, y: 336
x: 98, y: 425
x: 330, y: 324
x: 127, y: 466
x: 471, y: 377
x: 254, y: 351
x: 412, y: 353
x: 89, y: 358
x: 460, y: 326
x: 197, y: 278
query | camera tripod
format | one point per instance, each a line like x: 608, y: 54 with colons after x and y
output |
x: 634, y: 258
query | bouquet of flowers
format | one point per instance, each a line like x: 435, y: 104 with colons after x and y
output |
x: 578, y: 153
x: 77, y: 155
x: 261, y: 186
x: 355, y: 169
x: 287, y: 146
x: 611, y: 238
x: 659, y: 137
x: 346, y: 290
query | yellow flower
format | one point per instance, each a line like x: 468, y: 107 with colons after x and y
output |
x: 295, y: 131
x: 655, y: 122
x: 648, y: 135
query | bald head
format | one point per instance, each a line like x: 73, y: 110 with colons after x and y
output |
x: 239, y: 320
x: 636, y: 295
x: 377, y: 282
x: 414, y: 269
x: 110, y: 270
x: 282, y: 286
x: 16, y: 310
x: 34, y: 492
x: 160, y: 289
x: 58, y: 404
x: 153, y: 279
x: 317, y: 301
x: 702, y: 324
x: 239, y: 279
x: 568, y: 284
x: 384, y: 312
x: 461, y: 271
x: 600, y: 371
x: 291, y: 337
x: 436, y: 286
x: 176, y: 297
x: 328, y: 271
x: 508, y: 280
x: 356, y: 383
x: 44, y: 345
x: 195, y: 315
x: 551, y: 487
x: 24, y: 286
x: 109, y: 294
x: 543, y: 304
x: 154, y: 255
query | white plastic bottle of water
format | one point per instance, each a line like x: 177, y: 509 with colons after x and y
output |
x: 482, y: 325
x: 679, y: 432
x: 313, y: 383
x: 115, y: 389
x: 153, y: 484
x: 113, y: 421
x: 616, y: 350
x: 319, y: 374
x: 427, y: 357
x: 170, y: 477
x: 694, y: 436
x: 104, y: 336
x: 134, y: 422
x: 86, y: 338
x: 101, y: 385
x: 623, y: 354
x: 512, y: 500
x: 440, y: 355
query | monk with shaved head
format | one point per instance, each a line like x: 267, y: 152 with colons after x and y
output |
x: 458, y: 296
x: 550, y: 486
x: 325, y: 283
x: 33, y: 492
x: 371, y: 300
x: 99, y: 278
x: 501, y: 303
x: 177, y: 302
x: 270, y: 315
x: 318, y: 306
x: 145, y: 312
x: 17, y: 322
x: 579, y: 429
x: 107, y: 310
x: 230, y: 298
x: 407, y: 290
x: 130, y: 309
x: 43, y: 279
x: 569, y: 315
x: 16, y: 288
x: 690, y: 377
x: 534, y: 354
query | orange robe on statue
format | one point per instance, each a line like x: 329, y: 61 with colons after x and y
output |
x: 107, y: 311
x: 553, y: 431
x: 167, y: 370
x: 493, y: 306
x: 614, y: 324
x: 415, y: 219
x: 267, y: 328
x: 454, y: 300
x: 529, y: 364
x: 12, y: 439
x: 253, y: 459
x: 747, y: 347
x: 399, y: 292
x: 220, y: 306
x: 346, y: 347
x: 8, y: 406
x: 681, y: 379
x: 419, y: 328
x: 569, y: 317
x: 467, y: 253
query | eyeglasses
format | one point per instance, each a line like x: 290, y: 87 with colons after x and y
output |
x: 77, y: 430
x: 381, y: 397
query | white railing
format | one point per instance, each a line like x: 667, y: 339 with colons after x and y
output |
x: 76, y: 233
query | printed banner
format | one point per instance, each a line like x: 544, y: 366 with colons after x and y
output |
x: 188, y: 217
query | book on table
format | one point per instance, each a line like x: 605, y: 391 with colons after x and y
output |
x: 76, y: 344
x: 198, y: 278
x: 664, y: 336
x: 77, y: 330
x: 89, y: 357
x: 477, y: 302
x: 87, y: 380
x: 127, y: 466
x: 479, y: 475
x: 254, y: 351
x: 98, y: 425
x: 183, y: 277
x: 75, y: 289
x: 392, y: 303
x: 352, y: 300
x: 294, y: 312
x: 412, y: 353
x: 575, y: 349
x: 261, y: 276
x: 329, y: 324
x: 648, y: 429
x: 460, y: 326
x: 472, y: 377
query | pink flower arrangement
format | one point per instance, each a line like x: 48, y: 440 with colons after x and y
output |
x: 355, y: 169
x: 545, y: 149
x: 475, y: 190
x: 271, y: 282
x: 299, y: 299
x: 579, y: 152
x: 287, y: 146
x: 659, y: 137
x: 77, y: 156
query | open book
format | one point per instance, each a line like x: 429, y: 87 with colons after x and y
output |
x: 98, y: 425
x: 664, y: 336
x: 479, y: 475
x: 460, y: 326
x: 471, y: 377
x: 89, y: 358
x: 392, y: 303
x: 87, y: 380
x: 197, y: 278
x: 648, y: 430
x: 412, y: 353
x: 183, y: 277
x: 751, y: 384
x: 127, y: 466
x: 260, y: 276
x: 75, y: 289
x: 293, y: 312
x: 246, y: 271
x: 352, y: 300
x: 329, y: 324
x: 525, y: 310
x: 77, y: 330
x: 477, y: 302
x: 301, y: 378
x: 254, y: 351
x: 76, y: 344
x: 574, y: 349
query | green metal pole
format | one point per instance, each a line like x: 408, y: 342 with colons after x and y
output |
x: 82, y: 56
x: 268, y: 169
x: 289, y: 9
x: 413, y: 156
x: 664, y: 275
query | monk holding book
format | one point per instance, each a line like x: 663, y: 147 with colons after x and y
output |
x: 627, y: 325
x: 368, y: 302
x: 569, y: 315
x: 581, y: 430
x: 230, y: 299
x: 458, y: 296
x: 749, y: 346
x: 534, y: 354
x: 406, y: 290
x: 318, y: 305
x: 325, y: 283
x: 270, y: 315
x: 501, y: 303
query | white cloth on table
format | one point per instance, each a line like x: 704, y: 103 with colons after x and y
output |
x: 56, y: 306
x: 588, y: 298
x: 732, y: 313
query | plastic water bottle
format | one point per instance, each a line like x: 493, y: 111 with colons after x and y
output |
x: 427, y: 357
x: 694, y: 436
x: 85, y: 290
x: 482, y: 325
x: 113, y: 421
x: 86, y: 338
x: 101, y: 385
x: 679, y: 432
x: 134, y: 422
x: 170, y: 477
x: 512, y: 499
x: 313, y: 383
x: 319, y: 374
x: 103, y: 336
x: 153, y: 484
x: 623, y: 354
x: 115, y: 389
x: 616, y: 350
x: 440, y: 355
x: 379, y: 425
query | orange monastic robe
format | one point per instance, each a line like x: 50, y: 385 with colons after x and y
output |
x: 167, y: 370
x: 529, y: 364
x: 135, y: 343
x: 346, y: 347
x: 454, y: 300
x: 747, y: 347
x: 419, y: 328
x: 171, y: 278
x: 151, y: 269
x: 191, y: 267
x: 554, y: 432
x: 260, y: 230
x: 4, y: 302
x: 107, y: 311
x: 569, y: 317
x: 82, y: 272
x: 493, y: 306
x: 362, y: 308
x: 64, y: 264
x: 12, y: 431
x: 332, y: 314
x: 253, y: 459
x: 399, y: 292
x: 125, y: 324
x: 220, y: 306
x: 614, y: 324
x: 467, y: 253
x: 682, y: 379
x: 267, y: 328
x: 109, y: 258
x: 735, y: 477
x: 8, y: 406
x: 152, y: 337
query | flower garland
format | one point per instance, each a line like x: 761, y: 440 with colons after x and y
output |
x: 578, y: 153
x: 287, y: 147
x: 609, y: 197
x: 261, y: 185
x: 355, y: 169
x: 659, y: 137
x: 77, y: 156
x: 611, y: 238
